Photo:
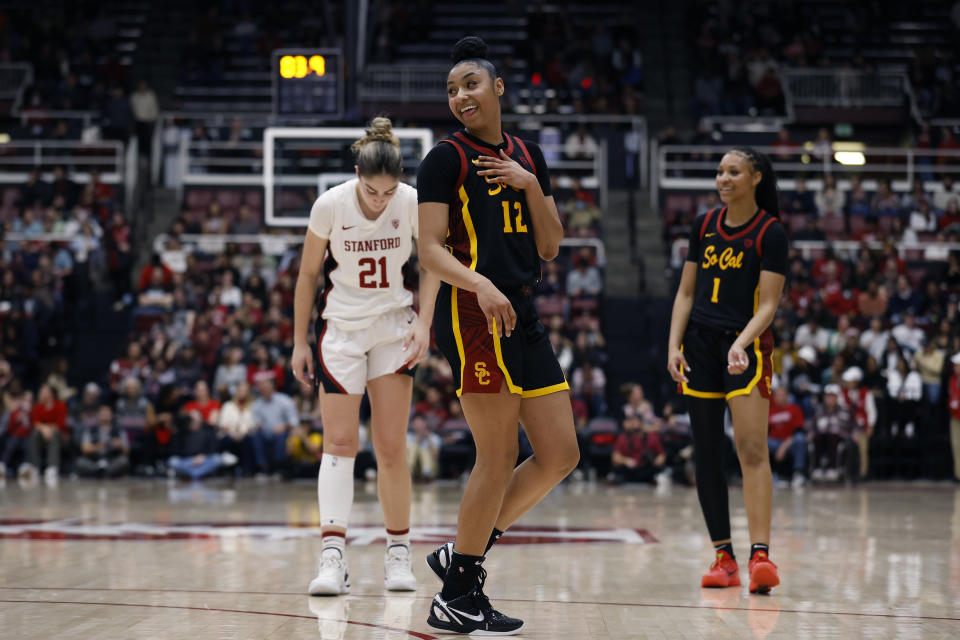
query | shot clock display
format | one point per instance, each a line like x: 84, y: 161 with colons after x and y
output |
x: 308, y: 83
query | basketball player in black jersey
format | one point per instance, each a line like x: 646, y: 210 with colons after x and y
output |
x: 487, y: 217
x: 720, y: 352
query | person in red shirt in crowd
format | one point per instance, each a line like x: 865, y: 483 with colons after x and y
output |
x: 19, y: 428
x: 260, y: 369
x: 859, y: 401
x: 203, y: 404
x: 146, y: 274
x: 955, y: 415
x: 432, y: 408
x: 638, y: 454
x: 50, y: 432
x: 785, y: 436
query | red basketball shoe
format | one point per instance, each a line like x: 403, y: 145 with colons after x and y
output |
x: 763, y: 573
x: 724, y: 572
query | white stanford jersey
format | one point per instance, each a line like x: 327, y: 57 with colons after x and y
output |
x: 363, y: 272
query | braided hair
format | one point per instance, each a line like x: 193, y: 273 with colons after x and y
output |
x: 766, y: 194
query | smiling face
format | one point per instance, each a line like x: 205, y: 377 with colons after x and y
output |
x: 736, y: 179
x: 473, y: 95
x: 375, y: 192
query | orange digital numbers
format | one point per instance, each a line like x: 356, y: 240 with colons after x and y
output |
x: 301, y: 66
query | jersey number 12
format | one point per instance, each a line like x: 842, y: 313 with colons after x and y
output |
x: 369, y: 273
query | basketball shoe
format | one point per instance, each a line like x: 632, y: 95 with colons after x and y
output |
x: 332, y: 576
x: 724, y: 572
x: 763, y: 573
x: 439, y: 559
x: 471, y: 614
x: 398, y: 576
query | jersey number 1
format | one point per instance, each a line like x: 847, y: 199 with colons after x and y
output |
x: 716, y: 290
x: 369, y: 266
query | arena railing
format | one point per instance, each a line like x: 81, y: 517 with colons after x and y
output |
x: 116, y: 162
x: 849, y: 89
x: 14, y: 78
x: 278, y: 244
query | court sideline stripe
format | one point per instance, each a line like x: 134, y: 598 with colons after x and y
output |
x: 415, y: 634
x: 897, y: 616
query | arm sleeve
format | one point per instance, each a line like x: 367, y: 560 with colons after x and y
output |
x: 438, y: 173
x: 693, y: 246
x: 775, y: 249
x: 321, y: 216
x: 543, y: 171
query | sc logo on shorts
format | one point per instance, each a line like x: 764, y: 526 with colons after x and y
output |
x: 480, y: 370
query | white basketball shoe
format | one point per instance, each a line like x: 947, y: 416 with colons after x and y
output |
x: 332, y: 578
x: 398, y: 575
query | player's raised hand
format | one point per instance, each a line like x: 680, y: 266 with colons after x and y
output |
x: 676, y: 365
x: 737, y: 360
x: 416, y: 343
x: 302, y: 359
x: 504, y: 170
x: 496, y: 309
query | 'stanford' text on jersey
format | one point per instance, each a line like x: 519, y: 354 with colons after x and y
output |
x: 363, y: 270
x: 729, y: 261
x: 490, y: 228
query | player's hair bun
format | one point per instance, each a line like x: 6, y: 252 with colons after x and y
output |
x: 379, y: 130
x: 469, y: 48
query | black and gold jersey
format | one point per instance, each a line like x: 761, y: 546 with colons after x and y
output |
x: 729, y: 261
x: 489, y: 229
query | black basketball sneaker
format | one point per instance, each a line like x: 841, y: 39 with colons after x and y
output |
x: 471, y: 614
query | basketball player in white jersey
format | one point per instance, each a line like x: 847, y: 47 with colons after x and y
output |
x: 368, y: 336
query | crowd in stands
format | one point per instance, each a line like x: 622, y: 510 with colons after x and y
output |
x: 741, y: 49
x: 79, y: 68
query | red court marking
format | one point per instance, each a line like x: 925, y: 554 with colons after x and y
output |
x: 897, y: 616
x: 414, y: 634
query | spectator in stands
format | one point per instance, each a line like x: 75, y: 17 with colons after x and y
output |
x: 800, y: 200
x: 580, y: 145
x: 922, y: 219
x: 785, y: 149
x: 637, y: 404
x: 833, y: 426
x: 135, y: 416
x: 202, y: 403
x: 905, y: 298
x: 929, y: 363
x: 230, y: 294
x: 858, y: 202
x: 230, y: 373
x: 274, y: 415
x: 261, y: 368
x: 945, y: 195
x: 563, y: 350
x: 19, y: 429
x: 432, y: 407
x: 584, y: 279
x: 104, y: 449
x: 873, y: 301
x: 50, y: 433
x: 156, y: 297
x: 904, y: 391
x: 638, y: 454
x: 423, y: 449
x: 813, y: 335
x: 85, y: 413
x: 35, y: 190
x: 117, y: 117
x: 238, y: 425
x: 954, y: 404
x: 786, y: 435
x: 874, y: 339
x: 908, y: 335
x: 885, y: 202
x: 950, y: 220
x: 304, y: 450
x: 146, y: 110
x: 589, y: 384
x: 196, y: 451
x: 859, y: 401
x: 805, y: 378
x: 810, y: 232
x: 829, y: 200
